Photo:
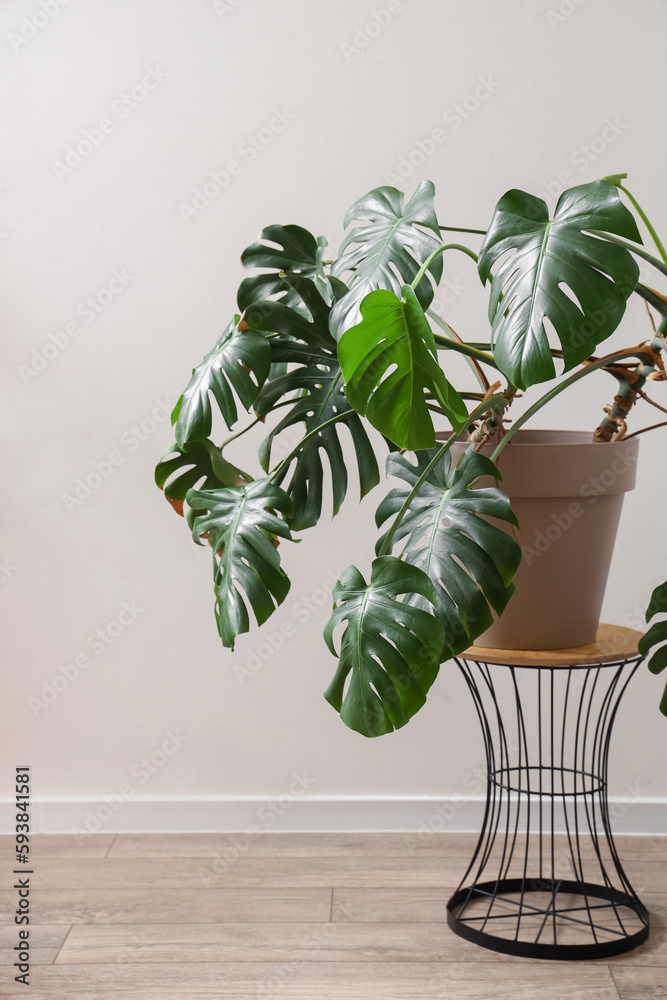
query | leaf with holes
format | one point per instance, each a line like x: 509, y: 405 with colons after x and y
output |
x: 389, y: 360
x: 296, y: 252
x: 388, y: 249
x: 538, y: 258
x: 655, y: 635
x: 470, y: 560
x: 390, y: 650
x: 238, y: 355
x: 315, y: 382
x: 199, y: 463
x: 241, y: 524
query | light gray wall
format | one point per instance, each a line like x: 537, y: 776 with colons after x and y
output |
x: 521, y: 93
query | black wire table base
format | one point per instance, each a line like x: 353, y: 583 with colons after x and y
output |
x: 545, y: 879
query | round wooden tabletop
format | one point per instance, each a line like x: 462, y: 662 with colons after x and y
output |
x: 612, y: 643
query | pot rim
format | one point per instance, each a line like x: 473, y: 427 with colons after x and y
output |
x: 554, y: 463
x: 534, y: 437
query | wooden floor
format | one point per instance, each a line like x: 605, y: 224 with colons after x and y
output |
x: 287, y: 916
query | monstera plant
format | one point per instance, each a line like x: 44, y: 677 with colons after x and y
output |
x: 319, y: 343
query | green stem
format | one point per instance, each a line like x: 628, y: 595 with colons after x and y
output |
x: 316, y: 430
x: 633, y: 248
x: 457, y: 345
x: 238, y: 434
x: 477, y: 412
x: 455, y: 229
x: 436, y: 253
x: 233, y: 437
x: 610, y: 359
x: 654, y: 300
x: 642, y: 214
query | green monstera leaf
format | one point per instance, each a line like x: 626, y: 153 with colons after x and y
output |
x: 303, y: 353
x: 283, y: 250
x: 656, y: 634
x: 547, y: 256
x: 394, y: 337
x: 241, y: 525
x: 198, y: 463
x: 393, y: 240
x: 470, y: 561
x: 390, y: 650
x: 238, y: 355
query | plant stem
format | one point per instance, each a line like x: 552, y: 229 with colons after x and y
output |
x: 648, y: 295
x: 455, y: 229
x: 613, y: 425
x: 476, y: 396
x: 238, y: 434
x: 458, y: 345
x: 436, y: 253
x: 663, y: 423
x: 610, y: 359
x: 477, y: 412
x: 316, y: 430
x: 652, y: 401
x: 633, y: 248
x: 476, y: 368
x: 646, y: 221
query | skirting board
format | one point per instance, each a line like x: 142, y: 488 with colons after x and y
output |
x: 421, y: 815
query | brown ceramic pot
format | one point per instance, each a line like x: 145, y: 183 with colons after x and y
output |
x: 567, y: 492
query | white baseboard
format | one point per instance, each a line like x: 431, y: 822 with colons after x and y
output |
x: 182, y: 814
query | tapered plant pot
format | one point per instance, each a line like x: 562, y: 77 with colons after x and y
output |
x: 567, y: 492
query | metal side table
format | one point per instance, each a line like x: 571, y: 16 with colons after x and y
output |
x: 545, y: 880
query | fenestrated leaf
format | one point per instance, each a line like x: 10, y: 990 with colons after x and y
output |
x: 394, y: 337
x: 297, y: 253
x: 656, y: 635
x: 198, y: 463
x: 389, y: 243
x: 304, y: 345
x: 390, y: 650
x: 246, y: 566
x: 470, y: 560
x: 548, y: 255
x: 238, y: 355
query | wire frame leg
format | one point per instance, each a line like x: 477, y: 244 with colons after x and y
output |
x: 545, y: 879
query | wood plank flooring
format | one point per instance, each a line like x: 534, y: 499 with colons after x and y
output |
x: 288, y: 917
